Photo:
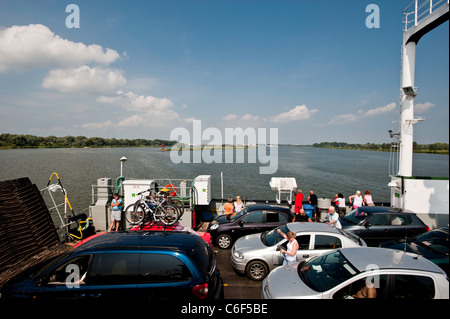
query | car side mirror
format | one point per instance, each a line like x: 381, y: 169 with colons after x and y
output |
x: 278, y: 247
x: 241, y: 223
x: 367, y: 224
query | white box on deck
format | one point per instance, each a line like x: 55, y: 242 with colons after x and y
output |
x: 284, y: 184
x: 132, y: 187
x: 202, y: 192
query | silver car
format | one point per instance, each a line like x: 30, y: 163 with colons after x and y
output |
x: 257, y: 254
x: 365, y: 272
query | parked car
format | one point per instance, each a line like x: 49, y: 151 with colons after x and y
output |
x: 255, y: 218
x: 363, y: 272
x: 256, y: 255
x: 377, y: 224
x: 124, y: 265
x: 159, y: 226
x: 432, y: 245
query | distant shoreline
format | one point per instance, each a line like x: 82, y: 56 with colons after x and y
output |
x: 20, y: 141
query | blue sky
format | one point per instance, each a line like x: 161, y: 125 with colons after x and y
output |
x: 139, y: 69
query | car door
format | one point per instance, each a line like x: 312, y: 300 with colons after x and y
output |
x: 304, y: 247
x: 273, y: 219
x: 375, y: 229
x: 250, y: 223
x: 65, y: 281
x: 323, y: 243
x: 400, y: 226
x: 303, y: 252
x: 113, y: 275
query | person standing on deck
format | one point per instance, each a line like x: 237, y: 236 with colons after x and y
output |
x: 298, y: 202
x: 357, y: 200
x: 228, y: 207
x: 116, y: 214
x: 312, y: 200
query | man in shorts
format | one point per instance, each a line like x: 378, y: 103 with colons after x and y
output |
x: 116, y: 214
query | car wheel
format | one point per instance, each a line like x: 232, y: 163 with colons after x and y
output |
x: 257, y: 270
x: 224, y: 241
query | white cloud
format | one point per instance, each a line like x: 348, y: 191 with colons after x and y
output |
x: 230, y: 117
x: 422, y: 108
x: 35, y: 45
x: 353, y: 117
x: 84, y: 80
x: 380, y: 110
x: 298, y: 113
x: 106, y: 124
x: 151, y: 111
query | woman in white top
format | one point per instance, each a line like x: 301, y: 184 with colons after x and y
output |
x: 357, y: 200
x: 368, y: 199
x: 341, y: 205
x: 238, y: 204
x: 290, y: 255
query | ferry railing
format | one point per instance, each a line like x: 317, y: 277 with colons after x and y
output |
x: 94, y: 191
x: 419, y: 9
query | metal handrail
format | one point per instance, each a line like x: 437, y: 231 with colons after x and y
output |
x: 429, y: 5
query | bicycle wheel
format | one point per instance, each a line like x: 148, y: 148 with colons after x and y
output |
x: 179, y: 205
x: 168, y: 214
x: 134, y: 214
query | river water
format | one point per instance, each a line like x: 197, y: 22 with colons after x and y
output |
x: 326, y: 171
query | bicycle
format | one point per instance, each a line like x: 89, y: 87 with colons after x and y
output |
x: 151, y: 209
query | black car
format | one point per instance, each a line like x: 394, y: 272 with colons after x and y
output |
x: 139, y: 266
x: 255, y: 218
x: 432, y: 245
x: 376, y: 224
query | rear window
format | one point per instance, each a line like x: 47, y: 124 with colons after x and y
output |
x: 158, y: 268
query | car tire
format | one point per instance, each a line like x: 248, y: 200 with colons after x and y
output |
x: 224, y: 241
x: 257, y: 270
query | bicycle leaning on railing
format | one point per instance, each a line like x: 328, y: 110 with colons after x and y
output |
x: 152, y: 209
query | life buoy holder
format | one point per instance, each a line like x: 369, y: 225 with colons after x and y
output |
x: 172, y: 188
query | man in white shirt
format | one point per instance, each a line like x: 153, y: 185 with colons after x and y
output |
x: 333, y: 218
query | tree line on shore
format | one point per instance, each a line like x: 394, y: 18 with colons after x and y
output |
x: 32, y: 141
x: 418, y: 148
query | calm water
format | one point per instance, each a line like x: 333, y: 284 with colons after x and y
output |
x: 325, y: 171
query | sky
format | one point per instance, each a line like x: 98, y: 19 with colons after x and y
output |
x: 312, y: 69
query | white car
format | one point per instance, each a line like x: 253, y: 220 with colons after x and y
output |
x: 257, y: 254
x: 365, y: 272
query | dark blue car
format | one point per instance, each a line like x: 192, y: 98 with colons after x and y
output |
x: 257, y: 218
x: 124, y: 265
x: 432, y: 245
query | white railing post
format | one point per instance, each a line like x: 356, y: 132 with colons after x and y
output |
x: 415, y: 13
x: 431, y: 6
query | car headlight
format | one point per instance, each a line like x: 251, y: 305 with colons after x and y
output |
x: 214, y: 227
x: 238, y: 254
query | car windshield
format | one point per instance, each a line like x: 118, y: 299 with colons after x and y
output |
x: 237, y: 215
x: 355, y: 216
x: 273, y: 237
x: 436, y: 240
x: 325, y: 272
